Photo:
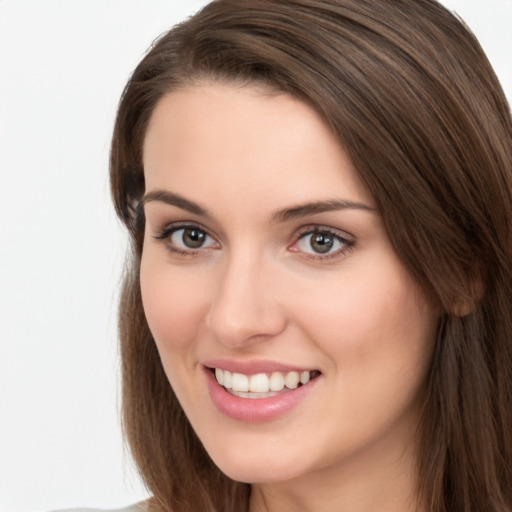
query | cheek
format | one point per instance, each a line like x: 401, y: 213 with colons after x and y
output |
x: 173, y: 303
x: 379, y: 337
x: 378, y: 321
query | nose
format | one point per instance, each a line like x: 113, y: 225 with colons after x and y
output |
x: 246, y: 307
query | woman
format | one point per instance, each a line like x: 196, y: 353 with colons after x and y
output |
x: 316, y: 314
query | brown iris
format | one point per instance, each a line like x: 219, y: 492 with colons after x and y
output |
x: 193, y: 237
x: 321, y: 242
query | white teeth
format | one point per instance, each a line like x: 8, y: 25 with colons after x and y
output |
x: 251, y: 395
x: 276, y: 381
x: 260, y: 383
x: 292, y: 380
x: 228, y: 379
x: 240, y: 382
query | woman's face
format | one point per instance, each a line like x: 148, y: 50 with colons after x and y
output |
x: 266, y: 262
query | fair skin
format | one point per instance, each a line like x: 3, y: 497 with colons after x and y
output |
x: 237, y: 273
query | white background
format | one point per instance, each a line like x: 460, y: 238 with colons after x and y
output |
x: 63, y: 64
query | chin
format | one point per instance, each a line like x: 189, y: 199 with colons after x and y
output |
x: 251, y: 474
x: 256, y: 466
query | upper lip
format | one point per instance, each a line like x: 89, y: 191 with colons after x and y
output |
x: 255, y: 366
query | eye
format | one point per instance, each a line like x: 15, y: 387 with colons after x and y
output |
x: 186, y: 239
x: 190, y: 238
x: 321, y: 242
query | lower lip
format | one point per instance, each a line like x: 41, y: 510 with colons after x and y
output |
x: 255, y: 410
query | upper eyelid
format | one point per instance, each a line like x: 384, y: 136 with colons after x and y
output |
x: 156, y: 212
x: 161, y: 224
x: 312, y: 228
x: 175, y: 226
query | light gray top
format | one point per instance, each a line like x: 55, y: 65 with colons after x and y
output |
x: 136, y: 507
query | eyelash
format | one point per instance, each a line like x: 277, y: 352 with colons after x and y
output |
x: 346, y: 243
x: 166, y: 234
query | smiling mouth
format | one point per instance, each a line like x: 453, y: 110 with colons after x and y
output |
x: 262, y: 385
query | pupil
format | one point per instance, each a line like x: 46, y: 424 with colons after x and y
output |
x: 193, y: 238
x: 321, y: 243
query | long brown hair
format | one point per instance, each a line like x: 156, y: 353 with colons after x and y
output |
x: 415, y: 103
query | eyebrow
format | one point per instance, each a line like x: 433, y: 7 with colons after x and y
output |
x: 285, y: 215
x: 171, y: 199
x: 297, y: 212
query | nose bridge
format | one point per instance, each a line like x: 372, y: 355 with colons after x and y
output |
x: 245, y: 307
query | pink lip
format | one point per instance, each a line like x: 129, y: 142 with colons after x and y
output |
x: 252, y: 367
x: 255, y: 410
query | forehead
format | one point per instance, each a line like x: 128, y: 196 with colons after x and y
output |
x: 235, y: 138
